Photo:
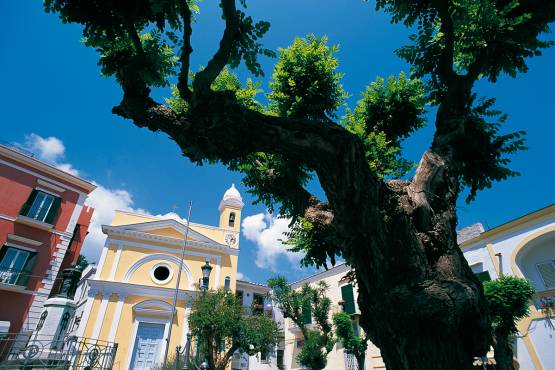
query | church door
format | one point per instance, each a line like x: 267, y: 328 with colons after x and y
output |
x: 148, y: 345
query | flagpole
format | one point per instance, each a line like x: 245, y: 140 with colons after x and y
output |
x: 174, y: 309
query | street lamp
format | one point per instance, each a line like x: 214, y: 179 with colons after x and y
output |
x: 206, y: 269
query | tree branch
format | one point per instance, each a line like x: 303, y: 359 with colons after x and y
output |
x: 134, y: 35
x: 186, y: 50
x: 204, y: 78
x: 445, y: 67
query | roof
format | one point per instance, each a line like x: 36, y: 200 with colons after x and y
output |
x: 531, y: 217
x: 17, y: 155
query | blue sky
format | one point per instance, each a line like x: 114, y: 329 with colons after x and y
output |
x: 51, y: 87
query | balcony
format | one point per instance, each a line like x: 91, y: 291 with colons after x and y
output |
x: 545, y: 302
x: 13, y: 279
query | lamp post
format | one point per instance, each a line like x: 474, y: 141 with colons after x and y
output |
x: 206, y: 269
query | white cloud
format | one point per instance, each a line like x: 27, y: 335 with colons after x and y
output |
x: 105, y: 201
x: 241, y: 276
x: 49, y: 149
x: 268, y: 232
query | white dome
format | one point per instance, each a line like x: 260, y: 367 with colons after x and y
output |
x: 232, y: 192
x: 232, y: 198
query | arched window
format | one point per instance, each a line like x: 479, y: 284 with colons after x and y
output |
x: 231, y: 219
x: 227, y: 283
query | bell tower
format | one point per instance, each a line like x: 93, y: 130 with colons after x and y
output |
x: 230, y: 209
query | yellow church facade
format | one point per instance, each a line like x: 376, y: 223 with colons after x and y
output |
x: 131, y: 296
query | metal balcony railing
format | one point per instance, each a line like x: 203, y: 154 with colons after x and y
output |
x: 18, y: 351
x: 13, y: 277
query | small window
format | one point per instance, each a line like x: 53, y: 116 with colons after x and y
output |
x: 41, y: 206
x: 161, y: 273
x: 258, y: 304
x: 227, y: 283
x: 279, y: 356
x: 232, y: 219
x: 348, y: 298
x: 483, y: 276
x: 547, y: 272
x: 14, y: 266
x: 306, y: 313
x: 239, y: 295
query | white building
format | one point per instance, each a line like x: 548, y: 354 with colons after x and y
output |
x: 523, y: 247
x: 254, y: 297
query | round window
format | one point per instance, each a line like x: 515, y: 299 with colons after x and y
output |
x: 161, y: 273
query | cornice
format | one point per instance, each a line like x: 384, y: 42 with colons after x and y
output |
x: 114, y: 231
x: 536, y: 217
x: 115, y: 287
x: 46, y: 168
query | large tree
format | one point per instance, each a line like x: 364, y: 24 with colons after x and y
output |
x: 420, y: 303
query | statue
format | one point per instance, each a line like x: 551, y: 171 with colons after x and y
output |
x: 70, y: 278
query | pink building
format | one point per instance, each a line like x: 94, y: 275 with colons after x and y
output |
x: 43, y: 223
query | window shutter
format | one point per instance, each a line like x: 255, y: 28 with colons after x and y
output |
x: 28, y: 203
x: 53, y: 212
x: 24, y: 276
x: 483, y: 276
x: 349, y: 298
x: 547, y: 272
x: 307, y: 312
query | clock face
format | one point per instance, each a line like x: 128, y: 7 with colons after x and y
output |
x: 230, y: 239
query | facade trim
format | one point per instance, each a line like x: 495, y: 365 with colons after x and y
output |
x: 111, y: 232
x: 35, y: 163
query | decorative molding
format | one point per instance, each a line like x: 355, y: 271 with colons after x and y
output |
x: 48, y: 191
x: 22, y: 239
x: 112, y: 231
x: 167, y: 223
x: 534, y: 218
x: 7, y: 218
x: 49, y: 185
x: 115, y: 287
x: 187, y: 253
x: 116, y: 261
x: 35, y: 223
x: 523, y: 243
x: 164, y: 218
x: 159, y: 256
x: 18, y: 246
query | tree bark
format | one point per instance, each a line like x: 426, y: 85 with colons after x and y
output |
x: 360, y: 361
x: 503, y: 351
x: 421, y: 304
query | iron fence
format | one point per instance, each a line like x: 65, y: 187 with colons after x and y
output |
x: 20, y: 351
